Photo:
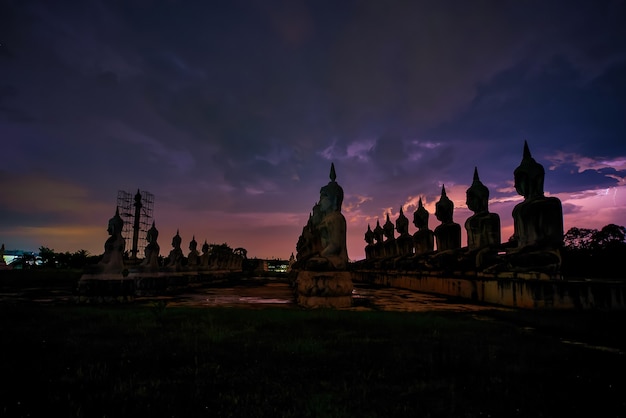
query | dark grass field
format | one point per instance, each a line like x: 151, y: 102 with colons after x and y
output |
x: 152, y: 360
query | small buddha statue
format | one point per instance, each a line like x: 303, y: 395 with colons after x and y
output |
x: 448, y: 233
x: 3, y: 263
x: 404, y: 242
x: 537, y: 221
x: 483, y: 227
x: 379, y: 235
x: 424, y: 238
x: 204, y: 258
x: 390, y: 239
x: 369, y: 239
x: 193, y: 259
x: 175, y: 259
x: 332, y: 253
x: 113, y: 258
x: 151, y: 260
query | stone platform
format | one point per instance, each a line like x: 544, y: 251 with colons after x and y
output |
x: 331, y: 289
x: 517, y: 290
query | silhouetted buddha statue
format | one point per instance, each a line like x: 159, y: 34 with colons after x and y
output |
x: 369, y: 248
x: 448, y: 233
x: 113, y: 258
x: 331, y: 229
x: 309, y: 242
x: 390, y: 239
x: 151, y: 260
x: 483, y: 227
x: 2, y: 262
x: 537, y: 221
x: 447, y: 236
x: 424, y: 238
x: 379, y: 235
x: 175, y: 258
x: 404, y: 242
x: 193, y: 259
x: 204, y: 258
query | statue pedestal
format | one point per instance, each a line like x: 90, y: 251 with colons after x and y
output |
x: 327, y: 289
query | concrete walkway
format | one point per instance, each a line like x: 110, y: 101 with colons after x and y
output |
x: 279, y: 294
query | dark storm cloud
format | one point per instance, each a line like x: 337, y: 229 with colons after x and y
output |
x: 241, y: 106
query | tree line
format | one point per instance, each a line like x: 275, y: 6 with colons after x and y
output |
x: 593, y: 253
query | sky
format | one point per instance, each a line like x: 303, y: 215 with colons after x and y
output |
x: 231, y: 112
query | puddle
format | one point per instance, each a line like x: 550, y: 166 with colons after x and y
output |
x: 594, y: 347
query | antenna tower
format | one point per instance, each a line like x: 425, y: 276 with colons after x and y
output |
x: 137, y: 219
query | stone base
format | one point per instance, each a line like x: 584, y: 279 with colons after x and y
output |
x: 105, y: 288
x: 330, y: 289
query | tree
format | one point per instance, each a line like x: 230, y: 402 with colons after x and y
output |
x: 610, y: 236
x: 579, y: 238
x: 593, y: 253
x: 48, y: 256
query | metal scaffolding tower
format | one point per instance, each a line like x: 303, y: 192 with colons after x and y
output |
x: 136, y: 211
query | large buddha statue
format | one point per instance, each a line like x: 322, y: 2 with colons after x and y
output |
x: 483, y: 227
x: 113, y: 257
x: 151, y: 260
x: 537, y: 221
x: 424, y: 238
x: 331, y: 229
x: 448, y: 233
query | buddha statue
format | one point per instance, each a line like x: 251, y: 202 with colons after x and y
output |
x: 204, y: 258
x: 448, y: 233
x: 151, y: 260
x: 537, y: 221
x: 3, y: 263
x: 309, y: 241
x: 193, y: 259
x: 379, y: 235
x: 332, y: 253
x: 175, y: 259
x: 390, y: 239
x: 424, y: 238
x: 447, y: 236
x: 113, y: 258
x: 404, y: 242
x: 483, y: 227
x: 369, y: 239
x: 388, y: 230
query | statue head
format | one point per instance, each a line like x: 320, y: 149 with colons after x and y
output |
x: 477, y: 195
x: 116, y: 223
x: 152, y: 234
x: 193, y: 244
x: 420, y: 216
x: 331, y: 195
x: 529, y: 176
x: 444, y: 208
x: 205, y: 247
x: 176, y: 240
